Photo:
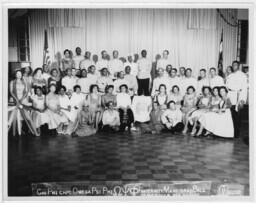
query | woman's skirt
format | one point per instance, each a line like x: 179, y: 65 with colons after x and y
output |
x: 83, y: 130
x: 55, y: 119
x: 220, y: 124
x: 39, y: 118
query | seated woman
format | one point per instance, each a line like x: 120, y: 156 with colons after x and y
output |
x: 85, y: 123
x: 123, y: 100
x: 55, y: 78
x: 108, y: 96
x: 94, y: 101
x: 161, y: 98
x: 38, y: 115
x: 156, y: 121
x: 172, y: 118
x: 223, y: 124
x: 189, y: 106
x: 58, y: 121
x: 65, y: 104
x: 203, y: 107
x: 110, y: 118
x: 176, y: 96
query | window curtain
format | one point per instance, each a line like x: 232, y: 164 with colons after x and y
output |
x: 191, y: 35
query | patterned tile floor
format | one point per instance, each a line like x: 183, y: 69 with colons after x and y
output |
x: 126, y: 157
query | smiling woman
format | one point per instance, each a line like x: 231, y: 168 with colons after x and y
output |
x: 182, y: 31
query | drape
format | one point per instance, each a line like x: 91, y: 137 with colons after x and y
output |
x: 191, y: 35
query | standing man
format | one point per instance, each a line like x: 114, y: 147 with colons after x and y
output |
x: 133, y: 66
x: 86, y: 62
x: 115, y: 65
x: 237, y: 87
x: 78, y: 57
x: 174, y: 79
x: 215, y: 80
x: 188, y: 81
x: 103, y: 62
x: 202, y: 81
x: 132, y: 81
x: 104, y: 80
x: 69, y: 81
x: 144, y: 74
x: 160, y: 79
x: 164, y: 61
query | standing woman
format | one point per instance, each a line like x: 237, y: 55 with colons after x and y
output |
x: 67, y: 62
x: 27, y: 76
x: 58, y: 120
x: 223, y: 123
x: 108, y: 97
x: 94, y: 102
x: 19, y: 113
x: 38, y: 80
x: 123, y: 100
x: 189, y: 106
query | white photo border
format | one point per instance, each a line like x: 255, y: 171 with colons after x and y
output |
x: 5, y: 5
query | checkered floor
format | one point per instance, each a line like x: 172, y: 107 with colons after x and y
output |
x: 126, y: 157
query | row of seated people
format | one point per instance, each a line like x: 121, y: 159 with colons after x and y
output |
x: 86, y: 78
x: 75, y: 113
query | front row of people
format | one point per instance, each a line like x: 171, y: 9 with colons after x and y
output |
x: 83, y: 115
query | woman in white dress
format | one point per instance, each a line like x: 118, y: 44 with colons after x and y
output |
x: 189, y: 106
x: 175, y: 96
x: 58, y: 120
x: 219, y: 122
x: 38, y: 114
x: 203, y: 107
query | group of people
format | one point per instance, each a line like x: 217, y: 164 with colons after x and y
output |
x: 80, y: 97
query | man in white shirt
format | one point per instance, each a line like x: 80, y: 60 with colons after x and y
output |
x: 160, y: 79
x: 144, y: 74
x: 115, y: 65
x: 174, y: 79
x: 104, y: 62
x: 182, y: 71
x: 104, y: 80
x: 119, y: 81
x: 86, y: 62
x: 215, y: 80
x: 132, y: 64
x: 164, y: 61
x: 132, y: 81
x: 172, y: 118
x: 237, y: 86
x: 110, y: 118
x: 202, y: 82
x: 78, y: 57
x: 92, y: 76
x: 69, y: 81
x: 188, y: 81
